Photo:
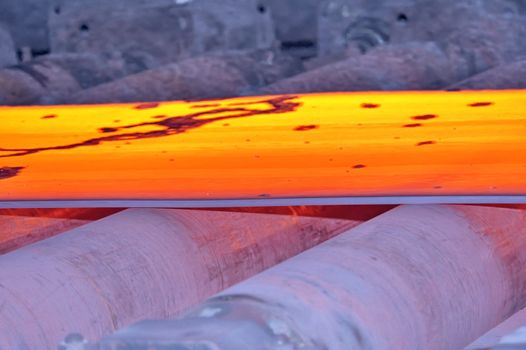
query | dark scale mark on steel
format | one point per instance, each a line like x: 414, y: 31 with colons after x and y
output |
x: 49, y: 116
x: 159, y: 116
x: 437, y: 187
x: 169, y: 125
x: 264, y: 195
x: 226, y: 124
x: 480, y: 104
x: 369, y: 105
x: 8, y: 172
x: 423, y: 143
x: 210, y: 105
x: 453, y: 90
x: 306, y: 127
x: 147, y: 105
x: 107, y: 130
x: 358, y: 166
x: 424, y: 117
x: 415, y: 125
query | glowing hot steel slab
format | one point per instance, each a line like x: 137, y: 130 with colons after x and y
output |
x: 409, y: 147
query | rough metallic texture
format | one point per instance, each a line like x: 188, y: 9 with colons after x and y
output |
x: 414, y: 66
x: 49, y: 79
x: 140, y: 264
x: 27, y: 21
x: 507, y: 76
x: 488, y: 41
x: 295, y: 20
x: 466, y: 48
x: 163, y: 31
x: 18, y: 231
x: 20, y: 86
x: 368, y: 23
x: 7, y: 48
x: 363, y: 24
x: 21, y: 227
x: 296, y: 26
x: 435, y: 20
x: 417, y: 277
x: 209, y: 76
x: 501, y: 333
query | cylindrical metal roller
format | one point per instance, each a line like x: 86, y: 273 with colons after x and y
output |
x: 450, y: 53
x: 49, y: 79
x: 219, y: 75
x: 413, y: 66
x: 416, y: 277
x: 487, y: 41
x: 507, y: 76
x: 20, y: 227
x: 140, y: 263
x: 17, y: 231
x: 498, y: 337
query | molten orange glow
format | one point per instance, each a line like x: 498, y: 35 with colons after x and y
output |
x: 320, y: 145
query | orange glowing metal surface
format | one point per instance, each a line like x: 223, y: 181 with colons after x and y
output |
x: 268, y: 147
